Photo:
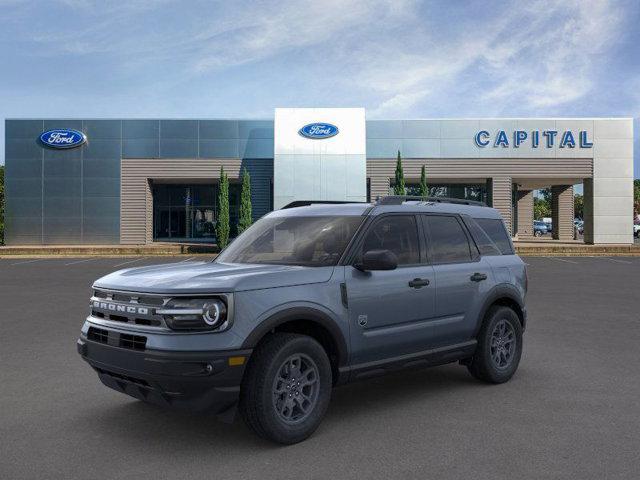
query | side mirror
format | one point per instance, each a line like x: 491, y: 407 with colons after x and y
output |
x: 377, y: 260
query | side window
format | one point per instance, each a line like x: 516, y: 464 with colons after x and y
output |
x: 397, y: 233
x: 497, y: 232
x: 449, y: 243
x: 484, y: 243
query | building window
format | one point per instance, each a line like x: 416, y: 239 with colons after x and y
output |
x: 188, y: 212
x: 477, y: 192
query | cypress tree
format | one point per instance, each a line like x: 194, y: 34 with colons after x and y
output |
x: 245, y: 219
x: 424, y: 190
x: 222, y: 225
x: 399, y: 188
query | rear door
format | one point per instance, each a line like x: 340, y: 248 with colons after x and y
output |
x: 462, y: 278
x: 390, y: 311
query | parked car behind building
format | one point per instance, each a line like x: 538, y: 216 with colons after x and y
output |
x: 539, y: 228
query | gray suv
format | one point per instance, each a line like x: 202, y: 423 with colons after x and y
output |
x: 310, y: 297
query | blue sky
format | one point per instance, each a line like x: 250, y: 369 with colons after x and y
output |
x: 397, y: 58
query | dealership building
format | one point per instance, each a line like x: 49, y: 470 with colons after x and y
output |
x: 139, y: 181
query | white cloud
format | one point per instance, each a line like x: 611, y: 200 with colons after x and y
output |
x: 395, y: 55
x: 400, y: 102
x: 533, y: 57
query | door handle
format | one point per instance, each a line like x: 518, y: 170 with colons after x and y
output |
x: 418, y: 282
x: 478, y: 277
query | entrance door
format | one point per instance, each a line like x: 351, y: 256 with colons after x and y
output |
x: 178, y: 223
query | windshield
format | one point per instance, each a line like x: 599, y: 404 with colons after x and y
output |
x: 316, y: 241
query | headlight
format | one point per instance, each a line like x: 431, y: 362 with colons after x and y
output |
x: 195, y: 314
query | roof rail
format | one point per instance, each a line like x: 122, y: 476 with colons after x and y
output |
x: 306, y: 203
x: 400, y: 199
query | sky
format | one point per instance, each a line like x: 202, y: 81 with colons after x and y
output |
x: 396, y: 58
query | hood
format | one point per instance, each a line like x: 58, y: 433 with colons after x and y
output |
x: 211, y: 277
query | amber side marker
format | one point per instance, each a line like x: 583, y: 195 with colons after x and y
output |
x: 236, y: 361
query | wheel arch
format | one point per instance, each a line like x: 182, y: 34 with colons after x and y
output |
x: 307, y: 321
x: 504, y: 295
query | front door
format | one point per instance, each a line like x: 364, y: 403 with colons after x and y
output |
x: 390, y: 311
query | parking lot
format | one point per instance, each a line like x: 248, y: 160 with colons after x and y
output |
x: 571, y: 411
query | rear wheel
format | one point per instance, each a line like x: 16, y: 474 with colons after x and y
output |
x: 287, y: 387
x: 499, y: 347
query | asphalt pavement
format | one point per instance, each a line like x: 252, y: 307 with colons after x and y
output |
x: 572, y: 411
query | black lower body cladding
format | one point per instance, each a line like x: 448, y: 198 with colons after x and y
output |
x: 195, y: 381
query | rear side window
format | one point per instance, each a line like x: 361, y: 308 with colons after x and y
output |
x: 496, y: 231
x: 449, y: 243
x: 484, y: 243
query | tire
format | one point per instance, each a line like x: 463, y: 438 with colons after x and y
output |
x: 276, y: 405
x: 537, y: 233
x: 497, y: 363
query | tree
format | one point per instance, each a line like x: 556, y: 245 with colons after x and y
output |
x: 1, y: 204
x: 541, y: 208
x: 542, y: 204
x: 222, y: 226
x: 399, y: 187
x: 245, y: 219
x: 578, y: 206
x: 424, y: 190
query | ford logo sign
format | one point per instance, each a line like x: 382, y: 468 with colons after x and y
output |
x: 318, y: 130
x: 63, y: 138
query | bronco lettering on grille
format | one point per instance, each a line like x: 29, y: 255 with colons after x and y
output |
x: 114, y: 307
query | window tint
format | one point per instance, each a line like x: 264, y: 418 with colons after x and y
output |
x: 397, y: 233
x: 495, y: 229
x: 484, y: 243
x: 449, y: 242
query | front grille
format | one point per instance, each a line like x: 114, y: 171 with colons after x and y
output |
x: 123, y: 340
x: 128, y: 308
x: 98, y: 335
x: 135, y: 342
x: 133, y: 298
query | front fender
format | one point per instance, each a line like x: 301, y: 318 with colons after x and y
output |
x: 301, y: 311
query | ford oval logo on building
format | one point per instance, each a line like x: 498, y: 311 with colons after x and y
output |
x: 63, y: 138
x: 318, y: 130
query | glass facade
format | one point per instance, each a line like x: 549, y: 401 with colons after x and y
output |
x: 73, y: 196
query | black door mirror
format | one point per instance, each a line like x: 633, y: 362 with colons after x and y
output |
x: 377, y: 260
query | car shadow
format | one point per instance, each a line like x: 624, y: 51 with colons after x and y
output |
x: 134, y: 421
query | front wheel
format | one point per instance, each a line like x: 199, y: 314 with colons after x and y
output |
x: 287, y: 388
x: 499, y: 349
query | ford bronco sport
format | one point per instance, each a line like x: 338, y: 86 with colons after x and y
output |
x: 310, y: 297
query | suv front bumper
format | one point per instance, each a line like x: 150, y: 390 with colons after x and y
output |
x: 195, y: 381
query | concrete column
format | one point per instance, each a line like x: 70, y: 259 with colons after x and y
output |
x: 500, y: 188
x: 525, y: 215
x: 562, y: 211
